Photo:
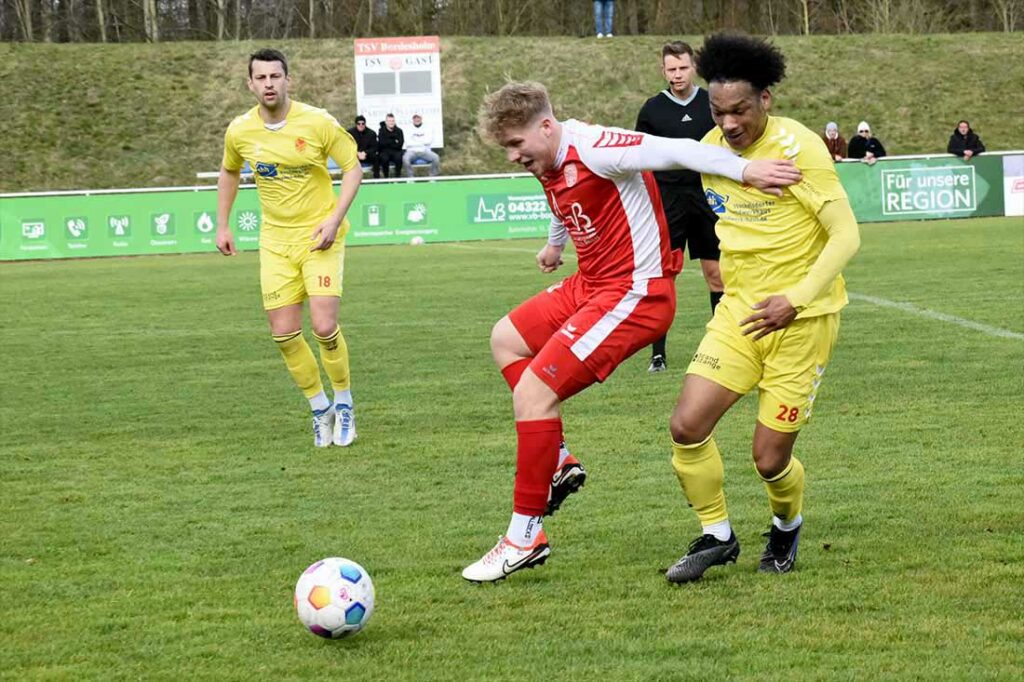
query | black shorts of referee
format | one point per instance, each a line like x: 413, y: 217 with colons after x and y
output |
x: 691, y: 222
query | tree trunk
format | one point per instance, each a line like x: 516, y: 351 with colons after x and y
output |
x: 46, y: 20
x: 149, y: 21
x: 101, y: 20
x: 238, y: 19
x: 222, y: 9
x: 23, y: 8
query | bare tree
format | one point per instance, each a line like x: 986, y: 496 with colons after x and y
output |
x: 1009, y: 12
x: 149, y: 21
x: 805, y: 7
x: 46, y: 20
x: 101, y: 20
x: 23, y: 8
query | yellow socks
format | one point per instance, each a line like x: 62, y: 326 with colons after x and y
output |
x: 786, y: 491
x: 701, y: 474
x: 334, y: 355
x: 300, y: 362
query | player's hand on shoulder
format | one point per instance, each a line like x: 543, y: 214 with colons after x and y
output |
x: 226, y: 242
x: 771, y: 314
x: 549, y: 258
x: 771, y: 175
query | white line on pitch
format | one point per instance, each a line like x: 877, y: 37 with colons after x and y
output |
x: 936, y: 315
x: 874, y: 300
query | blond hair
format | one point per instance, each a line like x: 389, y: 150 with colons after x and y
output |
x: 513, y: 106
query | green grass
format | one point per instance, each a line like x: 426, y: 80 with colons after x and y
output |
x: 160, y: 495
x: 154, y: 115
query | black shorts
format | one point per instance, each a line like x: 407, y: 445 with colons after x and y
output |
x: 691, y: 222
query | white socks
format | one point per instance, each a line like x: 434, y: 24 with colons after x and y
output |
x: 523, y: 530
x: 319, y: 402
x: 722, y: 530
x: 563, y: 453
x: 343, y: 397
x: 788, y: 526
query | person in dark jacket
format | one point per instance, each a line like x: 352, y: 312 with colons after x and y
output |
x: 390, y: 140
x: 965, y: 142
x: 864, y: 146
x: 366, y: 144
x: 835, y: 142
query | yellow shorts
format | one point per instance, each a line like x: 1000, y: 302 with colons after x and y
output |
x: 291, y: 272
x: 786, y: 366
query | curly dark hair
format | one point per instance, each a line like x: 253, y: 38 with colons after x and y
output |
x: 734, y: 57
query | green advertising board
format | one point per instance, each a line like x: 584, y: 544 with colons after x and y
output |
x: 184, y: 220
x: 921, y: 189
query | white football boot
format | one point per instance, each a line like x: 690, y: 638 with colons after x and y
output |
x: 344, y: 425
x: 323, y: 426
x: 505, y: 559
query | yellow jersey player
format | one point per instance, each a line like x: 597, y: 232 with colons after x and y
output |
x: 777, y: 323
x: 302, y: 236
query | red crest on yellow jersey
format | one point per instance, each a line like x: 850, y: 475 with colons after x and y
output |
x: 300, y: 144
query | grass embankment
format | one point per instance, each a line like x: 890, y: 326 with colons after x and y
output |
x: 96, y: 116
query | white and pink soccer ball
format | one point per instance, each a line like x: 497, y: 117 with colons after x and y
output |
x: 334, y: 598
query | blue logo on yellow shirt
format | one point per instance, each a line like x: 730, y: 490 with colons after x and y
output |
x: 715, y: 200
x: 266, y: 170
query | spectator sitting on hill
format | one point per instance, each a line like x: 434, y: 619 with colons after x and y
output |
x: 965, y: 142
x: 366, y: 144
x: 420, y: 139
x: 864, y: 146
x: 390, y: 140
x: 835, y: 142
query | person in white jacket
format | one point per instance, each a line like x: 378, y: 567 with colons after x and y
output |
x: 418, y: 141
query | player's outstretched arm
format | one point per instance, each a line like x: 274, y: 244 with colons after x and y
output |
x: 663, y: 153
x: 227, y: 190
x: 771, y: 175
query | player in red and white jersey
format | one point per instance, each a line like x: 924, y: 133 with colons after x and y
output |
x: 602, y: 196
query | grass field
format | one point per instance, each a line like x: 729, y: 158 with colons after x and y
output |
x: 159, y: 493
x: 144, y: 115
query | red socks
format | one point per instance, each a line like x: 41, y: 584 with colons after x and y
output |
x: 536, y: 460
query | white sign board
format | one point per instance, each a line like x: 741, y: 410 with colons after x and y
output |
x: 1013, y: 185
x: 400, y: 76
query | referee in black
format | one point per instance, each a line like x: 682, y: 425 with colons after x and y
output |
x: 683, y: 110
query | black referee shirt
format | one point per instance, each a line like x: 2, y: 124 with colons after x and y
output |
x: 665, y: 115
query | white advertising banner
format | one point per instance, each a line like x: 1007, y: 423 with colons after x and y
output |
x: 400, y: 76
x: 1013, y: 184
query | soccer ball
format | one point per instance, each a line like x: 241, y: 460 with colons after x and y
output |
x: 334, y: 598
x: 416, y: 241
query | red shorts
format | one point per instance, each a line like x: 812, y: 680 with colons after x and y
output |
x: 579, y: 334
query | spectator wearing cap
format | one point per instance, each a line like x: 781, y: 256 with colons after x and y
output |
x: 418, y: 145
x: 865, y: 146
x: 366, y: 144
x: 964, y: 142
x: 835, y: 142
